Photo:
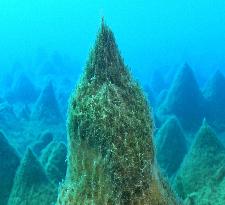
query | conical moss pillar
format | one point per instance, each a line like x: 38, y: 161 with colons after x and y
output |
x: 111, y: 154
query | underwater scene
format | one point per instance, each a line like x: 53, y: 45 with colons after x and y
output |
x: 112, y: 102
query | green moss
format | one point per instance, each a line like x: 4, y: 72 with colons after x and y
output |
x: 46, y: 153
x: 53, y: 159
x: 212, y: 193
x: 170, y: 146
x: 205, y: 158
x: 31, y: 185
x: 111, y: 154
x: 9, y: 162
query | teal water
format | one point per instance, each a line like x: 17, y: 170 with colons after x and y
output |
x: 150, y: 34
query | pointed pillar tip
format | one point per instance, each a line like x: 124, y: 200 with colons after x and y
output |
x: 204, y: 122
x: 103, y: 22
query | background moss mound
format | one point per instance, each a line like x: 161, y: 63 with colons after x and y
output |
x: 215, y: 98
x: 9, y: 162
x: 213, y: 193
x: 111, y: 154
x: 31, y: 185
x: 42, y: 142
x: 23, y: 91
x: 204, y: 164
x: 170, y: 146
x: 184, y: 99
x: 47, y: 108
x: 53, y: 159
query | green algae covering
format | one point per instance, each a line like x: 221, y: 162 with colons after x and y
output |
x: 111, y: 153
x: 170, y: 146
x: 202, y: 169
x: 31, y: 185
x: 9, y: 160
x: 53, y: 159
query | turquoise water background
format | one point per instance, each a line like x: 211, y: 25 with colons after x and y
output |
x: 151, y: 34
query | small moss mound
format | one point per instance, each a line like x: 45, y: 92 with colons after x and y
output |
x: 111, y: 153
x: 214, y: 192
x: 9, y: 162
x: 54, y: 161
x: 205, y: 158
x: 42, y: 142
x: 45, y: 154
x: 170, y: 146
x: 31, y: 185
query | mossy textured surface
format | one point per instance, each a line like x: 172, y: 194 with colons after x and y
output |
x: 31, y: 185
x: 9, y: 160
x: 111, y: 154
x: 205, y: 158
x: 170, y: 146
x: 54, y: 161
x: 212, y: 193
